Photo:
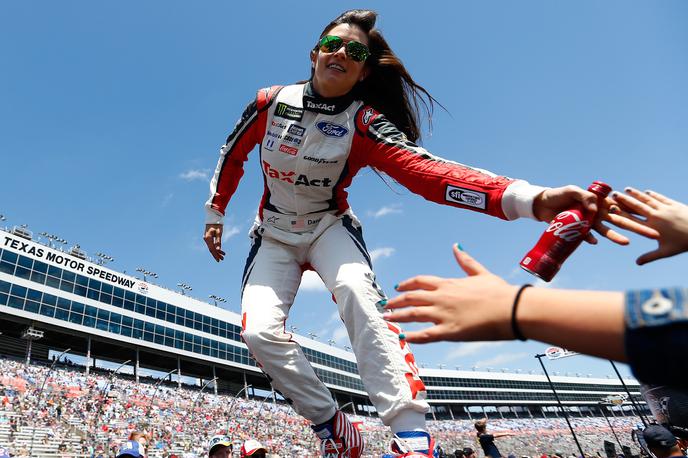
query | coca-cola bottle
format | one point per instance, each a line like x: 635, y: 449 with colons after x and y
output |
x: 565, y: 232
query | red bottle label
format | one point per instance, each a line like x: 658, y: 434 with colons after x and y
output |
x: 565, y: 232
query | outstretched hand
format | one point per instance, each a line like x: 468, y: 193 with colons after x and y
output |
x: 477, y: 307
x: 213, y: 238
x: 656, y: 217
x: 553, y: 201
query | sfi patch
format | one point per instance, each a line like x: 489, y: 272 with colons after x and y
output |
x: 467, y: 197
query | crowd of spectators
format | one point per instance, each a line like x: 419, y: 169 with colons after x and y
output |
x: 101, y: 414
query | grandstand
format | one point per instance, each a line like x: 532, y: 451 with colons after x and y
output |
x: 52, y: 300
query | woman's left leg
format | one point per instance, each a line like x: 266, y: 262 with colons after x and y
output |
x: 385, y: 363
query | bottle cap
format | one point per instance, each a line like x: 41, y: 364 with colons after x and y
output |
x: 600, y: 188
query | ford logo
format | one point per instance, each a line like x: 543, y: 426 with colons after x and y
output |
x: 331, y: 130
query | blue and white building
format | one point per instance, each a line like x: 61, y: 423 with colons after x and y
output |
x: 52, y: 299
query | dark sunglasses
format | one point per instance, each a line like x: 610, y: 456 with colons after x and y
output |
x: 358, y: 52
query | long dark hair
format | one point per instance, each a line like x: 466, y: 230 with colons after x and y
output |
x: 389, y: 88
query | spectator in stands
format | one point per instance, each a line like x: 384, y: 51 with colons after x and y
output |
x: 458, y: 453
x: 468, y: 452
x: 661, y: 442
x: 634, y: 327
x: 141, y: 438
x: 220, y: 447
x: 132, y: 449
x: 252, y: 448
x: 487, y: 440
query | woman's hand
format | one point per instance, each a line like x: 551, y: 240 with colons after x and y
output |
x: 474, y: 308
x: 656, y: 217
x: 213, y: 238
x: 553, y: 201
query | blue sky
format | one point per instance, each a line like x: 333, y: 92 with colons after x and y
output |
x: 112, y: 115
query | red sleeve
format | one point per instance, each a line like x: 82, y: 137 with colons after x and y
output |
x: 248, y: 132
x: 379, y: 144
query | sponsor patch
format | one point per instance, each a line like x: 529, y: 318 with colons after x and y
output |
x: 318, y: 160
x: 321, y: 107
x: 467, y: 197
x: 270, y: 144
x: 332, y: 130
x: 291, y: 139
x: 279, y: 124
x: 288, y: 149
x: 296, y: 130
x: 292, y: 178
x: 288, y: 112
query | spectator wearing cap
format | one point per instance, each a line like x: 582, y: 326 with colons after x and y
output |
x: 253, y: 448
x: 220, y: 446
x: 661, y: 442
x: 131, y: 449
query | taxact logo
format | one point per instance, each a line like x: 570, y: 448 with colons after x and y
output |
x: 291, y: 177
x: 320, y: 106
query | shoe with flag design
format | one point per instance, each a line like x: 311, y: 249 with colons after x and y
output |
x: 339, y: 438
x: 413, y: 444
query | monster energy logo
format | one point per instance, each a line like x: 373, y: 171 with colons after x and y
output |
x: 288, y: 112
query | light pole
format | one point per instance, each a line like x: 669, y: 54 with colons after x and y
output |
x: 231, y: 406
x: 561, y: 406
x: 40, y: 395
x: 313, y: 336
x: 331, y: 342
x: 603, y: 407
x: 630, y: 396
x: 146, y: 272
x: 103, y: 258
x: 293, y: 329
x: 193, y: 406
x: 217, y: 299
x: 102, y: 395
x: 184, y: 287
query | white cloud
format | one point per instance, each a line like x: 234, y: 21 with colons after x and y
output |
x: 340, y: 335
x: 310, y: 281
x: 195, y: 174
x: 386, y: 210
x: 500, y: 359
x: 166, y: 200
x: 229, y: 231
x: 378, y: 253
x: 470, y: 348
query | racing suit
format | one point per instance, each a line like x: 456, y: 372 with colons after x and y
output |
x: 310, y: 150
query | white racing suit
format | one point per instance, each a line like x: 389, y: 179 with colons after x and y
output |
x: 310, y: 150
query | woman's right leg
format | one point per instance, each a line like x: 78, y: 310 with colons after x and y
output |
x: 271, y: 280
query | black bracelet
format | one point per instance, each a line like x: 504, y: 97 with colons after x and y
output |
x: 514, y: 324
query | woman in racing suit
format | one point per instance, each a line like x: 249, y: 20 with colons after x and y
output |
x: 358, y: 109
